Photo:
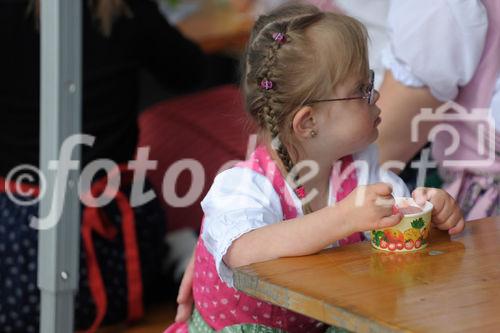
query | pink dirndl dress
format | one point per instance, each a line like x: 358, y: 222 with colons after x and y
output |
x: 221, y: 306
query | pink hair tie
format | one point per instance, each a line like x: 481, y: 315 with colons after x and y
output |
x: 279, y: 37
x: 301, y: 192
x: 266, y: 84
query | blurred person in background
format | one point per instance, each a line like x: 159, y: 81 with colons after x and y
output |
x: 443, y: 51
x: 120, y: 38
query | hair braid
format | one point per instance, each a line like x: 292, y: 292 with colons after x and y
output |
x: 269, y: 112
x: 297, y: 53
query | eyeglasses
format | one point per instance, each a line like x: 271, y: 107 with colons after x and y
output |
x: 368, y: 94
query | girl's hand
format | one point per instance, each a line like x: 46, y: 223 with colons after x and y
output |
x: 446, y: 214
x: 185, y: 296
x: 370, y: 207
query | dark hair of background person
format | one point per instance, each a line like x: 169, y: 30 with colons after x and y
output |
x: 105, y: 11
x: 121, y: 38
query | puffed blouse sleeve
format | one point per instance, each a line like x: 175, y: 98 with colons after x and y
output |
x: 435, y: 43
x: 239, y: 201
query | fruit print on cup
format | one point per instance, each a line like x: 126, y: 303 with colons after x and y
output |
x: 411, y: 234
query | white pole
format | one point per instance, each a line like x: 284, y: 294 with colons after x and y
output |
x: 60, y: 117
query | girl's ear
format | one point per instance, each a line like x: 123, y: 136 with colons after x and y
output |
x: 304, y: 123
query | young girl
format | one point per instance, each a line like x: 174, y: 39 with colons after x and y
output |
x: 308, y: 87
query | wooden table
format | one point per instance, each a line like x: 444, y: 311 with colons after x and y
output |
x: 218, y: 27
x: 452, y: 286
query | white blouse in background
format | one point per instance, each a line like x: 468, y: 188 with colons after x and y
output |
x: 373, y: 15
x: 438, y: 43
x: 241, y: 200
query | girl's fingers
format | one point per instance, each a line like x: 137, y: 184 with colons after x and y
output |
x: 435, y: 196
x: 420, y: 196
x: 449, y: 218
x: 386, y: 201
x: 382, y: 189
x: 440, y: 200
x: 185, y: 289
x: 458, y: 228
x: 455, y: 218
x: 183, y: 312
x: 185, y: 296
x: 449, y: 213
x: 389, y: 221
x: 442, y: 217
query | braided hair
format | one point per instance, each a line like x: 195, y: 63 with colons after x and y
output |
x: 270, y: 34
x: 284, y: 67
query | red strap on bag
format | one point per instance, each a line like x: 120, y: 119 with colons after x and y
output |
x: 95, y: 220
x: 20, y: 188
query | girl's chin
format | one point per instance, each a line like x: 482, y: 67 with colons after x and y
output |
x: 374, y: 136
x: 362, y: 145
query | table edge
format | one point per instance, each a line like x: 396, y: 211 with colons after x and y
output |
x: 332, y: 315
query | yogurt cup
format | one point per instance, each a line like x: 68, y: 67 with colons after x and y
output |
x: 411, y: 234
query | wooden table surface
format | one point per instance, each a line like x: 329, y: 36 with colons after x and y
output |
x: 452, y: 286
x: 218, y: 27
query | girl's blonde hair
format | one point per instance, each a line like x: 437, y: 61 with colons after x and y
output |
x: 319, y: 50
x: 104, y: 11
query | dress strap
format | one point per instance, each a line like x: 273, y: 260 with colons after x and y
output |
x: 344, y: 181
x: 262, y: 163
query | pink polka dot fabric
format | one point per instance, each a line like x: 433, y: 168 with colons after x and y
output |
x: 342, y: 185
x: 222, y: 306
x: 177, y: 328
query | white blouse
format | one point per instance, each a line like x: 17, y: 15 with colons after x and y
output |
x: 241, y: 200
x: 437, y: 43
